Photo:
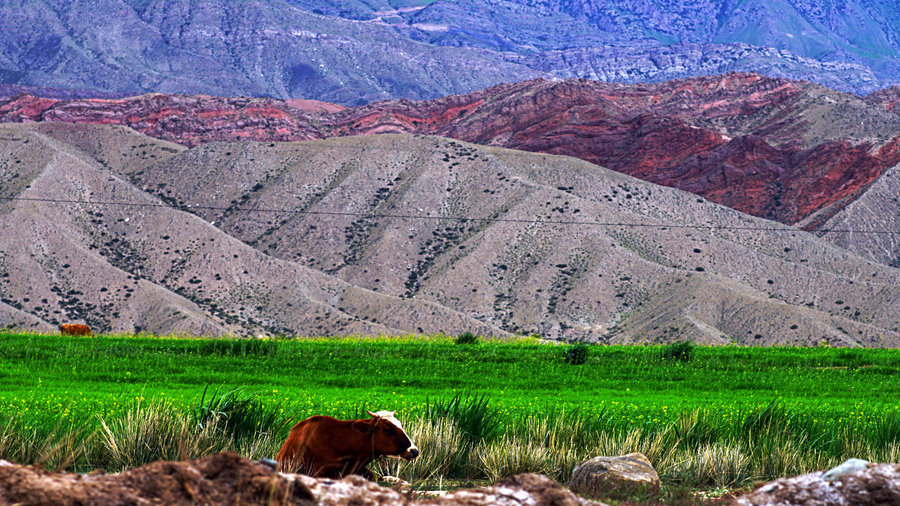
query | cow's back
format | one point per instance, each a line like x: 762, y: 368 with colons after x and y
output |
x: 75, y: 329
x: 299, y: 449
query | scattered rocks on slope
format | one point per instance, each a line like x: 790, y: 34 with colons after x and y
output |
x: 848, y: 484
x: 615, y: 477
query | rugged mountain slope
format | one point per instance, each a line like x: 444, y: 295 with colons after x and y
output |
x: 774, y: 148
x: 382, y: 213
x: 847, y: 31
x: 843, y: 44
x: 866, y: 30
x: 264, y: 47
x: 654, y: 64
x: 149, y: 266
x: 888, y: 98
x: 354, y: 52
x: 877, y: 209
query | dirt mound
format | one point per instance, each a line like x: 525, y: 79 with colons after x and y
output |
x: 228, y: 478
x: 223, y: 478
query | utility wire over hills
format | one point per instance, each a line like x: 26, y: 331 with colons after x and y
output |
x: 338, y: 236
x: 404, y: 216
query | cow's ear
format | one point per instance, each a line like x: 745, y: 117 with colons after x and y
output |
x: 363, y: 426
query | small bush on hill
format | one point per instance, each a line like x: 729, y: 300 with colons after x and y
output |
x: 682, y: 351
x: 576, y: 354
x: 466, y: 338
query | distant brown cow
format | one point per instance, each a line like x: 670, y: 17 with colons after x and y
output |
x: 75, y: 329
x: 325, y: 447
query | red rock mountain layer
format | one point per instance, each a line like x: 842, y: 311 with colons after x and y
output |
x: 752, y: 143
x: 888, y: 98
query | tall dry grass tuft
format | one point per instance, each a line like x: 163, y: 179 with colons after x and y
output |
x: 149, y: 431
x: 659, y: 447
x: 562, y: 440
x: 443, y: 448
x: 889, y: 453
x: 511, y: 455
x: 58, y: 447
x: 265, y: 444
x: 711, y: 465
x: 775, y: 454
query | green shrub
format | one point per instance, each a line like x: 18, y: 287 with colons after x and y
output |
x: 682, y: 351
x: 466, y: 338
x: 576, y: 354
x: 473, y: 415
x: 239, y: 415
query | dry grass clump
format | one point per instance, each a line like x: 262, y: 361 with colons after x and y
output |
x: 149, y: 432
x: 57, y: 446
x: 442, y: 450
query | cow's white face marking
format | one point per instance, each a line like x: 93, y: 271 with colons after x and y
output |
x: 389, y: 416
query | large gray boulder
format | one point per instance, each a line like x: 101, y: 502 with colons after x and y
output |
x: 615, y: 477
x: 851, y: 483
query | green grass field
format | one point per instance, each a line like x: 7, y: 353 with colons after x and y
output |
x: 816, y: 406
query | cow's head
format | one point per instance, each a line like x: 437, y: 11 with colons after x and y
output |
x: 388, y: 436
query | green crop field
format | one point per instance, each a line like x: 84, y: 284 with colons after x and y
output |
x: 500, y: 406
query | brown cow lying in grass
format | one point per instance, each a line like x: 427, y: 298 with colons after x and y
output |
x: 326, y: 447
x: 75, y: 329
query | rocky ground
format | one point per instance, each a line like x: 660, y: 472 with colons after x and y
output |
x: 227, y: 478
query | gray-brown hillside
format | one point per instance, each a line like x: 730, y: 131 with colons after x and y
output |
x: 877, y: 209
x: 341, y: 236
x: 154, y: 267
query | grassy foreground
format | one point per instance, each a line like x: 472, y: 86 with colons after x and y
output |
x: 709, y: 418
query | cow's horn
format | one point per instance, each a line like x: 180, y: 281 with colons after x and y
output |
x: 372, y: 414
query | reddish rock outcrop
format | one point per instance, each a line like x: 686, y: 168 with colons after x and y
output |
x: 187, y: 120
x: 888, y: 98
x: 773, y: 148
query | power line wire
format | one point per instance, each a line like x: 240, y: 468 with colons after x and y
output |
x: 443, y: 217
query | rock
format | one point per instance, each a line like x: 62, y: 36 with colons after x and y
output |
x: 850, y: 484
x: 353, y: 489
x: 395, y: 483
x: 269, y: 462
x: 849, y: 466
x: 617, y: 477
